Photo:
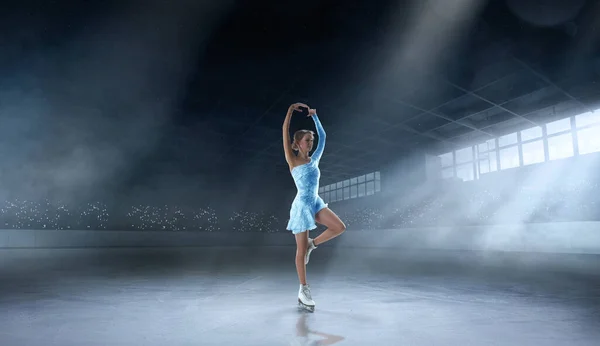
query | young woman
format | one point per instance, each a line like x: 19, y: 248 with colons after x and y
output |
x: 308, y: 207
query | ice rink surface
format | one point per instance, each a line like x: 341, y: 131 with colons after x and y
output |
x: 248, y: 296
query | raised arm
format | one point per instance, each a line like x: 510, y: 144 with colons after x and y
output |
x: 287, y: 142
x: 321, y: 133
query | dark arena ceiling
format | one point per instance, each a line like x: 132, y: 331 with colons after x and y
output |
x: 388, y: 78
x: 499, y: 72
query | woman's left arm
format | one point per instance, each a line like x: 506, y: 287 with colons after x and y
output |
x: 321, y: 134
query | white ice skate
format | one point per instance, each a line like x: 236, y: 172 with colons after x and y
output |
x: 311, y: 246
x: 305, y: 299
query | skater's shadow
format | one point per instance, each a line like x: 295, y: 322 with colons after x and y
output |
x: 304, y: 333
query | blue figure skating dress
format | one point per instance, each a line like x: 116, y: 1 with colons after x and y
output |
x: 307, y: 202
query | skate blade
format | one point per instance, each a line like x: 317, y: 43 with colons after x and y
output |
x: 302, y: 306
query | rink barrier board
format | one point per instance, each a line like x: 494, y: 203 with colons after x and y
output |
x: 563, y: 237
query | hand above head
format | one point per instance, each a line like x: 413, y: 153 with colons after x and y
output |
x: 297, y: 106
x: 311, y: 112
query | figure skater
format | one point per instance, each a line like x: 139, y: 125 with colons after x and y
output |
x: 308, y: 207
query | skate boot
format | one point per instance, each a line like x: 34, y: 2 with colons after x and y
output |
x: 311, y: 246
x: 305, y: 299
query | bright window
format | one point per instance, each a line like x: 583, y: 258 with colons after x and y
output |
x: 509, y: 157
x: 588, y: 118
x: 488, y: 145
x: 361, y: 190
x: 507, y: 140
x: 332, y: 196
x: 488, y: 162
x: 560, y: 147
x: 464, y: 155
x: 589, y: 140
x: 465, y: 172
x: 532, y: 133
x: 558, y: 126
x: 533, y: 152
x: 363, y: 185
x: 370, y: 187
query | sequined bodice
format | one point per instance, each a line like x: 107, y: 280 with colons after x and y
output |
x: 306, y: 177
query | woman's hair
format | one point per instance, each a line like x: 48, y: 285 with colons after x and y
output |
x: 298, y: 135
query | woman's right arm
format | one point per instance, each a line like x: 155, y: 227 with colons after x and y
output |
x: 287, y: 142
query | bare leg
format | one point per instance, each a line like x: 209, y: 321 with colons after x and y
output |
x: 334, y: 225
x: 301, y: 246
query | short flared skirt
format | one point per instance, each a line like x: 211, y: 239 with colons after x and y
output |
x: 303, y: 212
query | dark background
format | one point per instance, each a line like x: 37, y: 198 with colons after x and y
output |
x: 105, y: 105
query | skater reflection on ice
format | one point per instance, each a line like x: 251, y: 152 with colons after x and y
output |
x: 303, y: 335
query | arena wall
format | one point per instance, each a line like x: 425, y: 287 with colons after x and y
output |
x: 557, y: 237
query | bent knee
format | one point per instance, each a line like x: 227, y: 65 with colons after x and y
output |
x: 341, y: 228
